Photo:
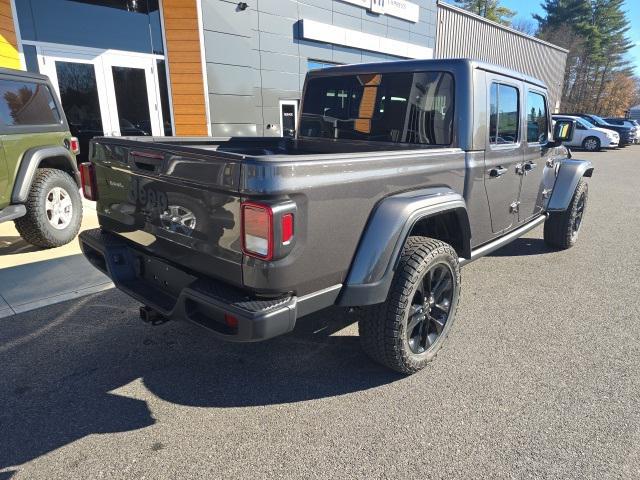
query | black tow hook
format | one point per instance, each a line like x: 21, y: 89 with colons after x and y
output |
x: 149, y: 315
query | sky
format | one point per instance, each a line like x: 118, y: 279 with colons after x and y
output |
x: 526, y: 8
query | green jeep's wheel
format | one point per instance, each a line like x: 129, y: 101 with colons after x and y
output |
x: 406, y: 332
x: 54, y: 210
x: 561, y: 229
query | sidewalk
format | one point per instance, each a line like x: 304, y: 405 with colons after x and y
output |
x: 31, y: 277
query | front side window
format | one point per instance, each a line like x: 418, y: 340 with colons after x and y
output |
x: 407, y: 107
x: 536, y: 118
x: 503, y: 114
x: 27, y: 103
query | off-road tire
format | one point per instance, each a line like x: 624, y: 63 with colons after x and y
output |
x: 383, y: 327
x: 34, y: 227
x: 597, y: 147
x: 559, y: 230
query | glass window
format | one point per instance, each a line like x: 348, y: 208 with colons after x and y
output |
x: 503, y: 115
x: 31, y: 58
x: 27, y: 103
x: 132, y: 100
x: 79, y: 97
x: 393, y: 107
x: 132, y: 25
x: 536, y: 118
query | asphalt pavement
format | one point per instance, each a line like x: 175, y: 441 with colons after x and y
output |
x: 540, y: 378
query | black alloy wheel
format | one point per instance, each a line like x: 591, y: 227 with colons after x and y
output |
x: 430, y: 308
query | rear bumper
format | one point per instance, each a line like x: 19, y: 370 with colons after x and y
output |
x: 228, y: 312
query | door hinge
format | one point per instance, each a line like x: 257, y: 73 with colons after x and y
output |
x: 514, y: 207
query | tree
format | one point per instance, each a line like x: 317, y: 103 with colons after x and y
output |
x: 595, y: 33
x: 490, y: 9
x: 619, y: 93
x: 524, y: 25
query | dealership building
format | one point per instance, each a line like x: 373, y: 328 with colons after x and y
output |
x: 226, y: 68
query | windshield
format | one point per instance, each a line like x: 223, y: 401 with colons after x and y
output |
x: 586, y: 123
x: 404, y: 107
x: 600, y: 120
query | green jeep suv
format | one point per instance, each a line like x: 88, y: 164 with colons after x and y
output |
x: 39, y: 178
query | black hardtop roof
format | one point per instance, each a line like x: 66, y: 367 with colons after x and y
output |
x: 418, y: 65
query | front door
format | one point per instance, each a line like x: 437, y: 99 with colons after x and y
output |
x: 103, y: 92
x: 504, y: 152
x: 536, y: 153
x: 132, y: 95
x: 79, y: 81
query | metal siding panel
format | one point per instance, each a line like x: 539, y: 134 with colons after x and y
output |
x: 237, y: 50
x: 233, y: 108
x: 234, y: 130
x: 228, y: 19
x: 279, y: 62
x: 347, y: 21
x: 231, y: 79
x: 462, y: 35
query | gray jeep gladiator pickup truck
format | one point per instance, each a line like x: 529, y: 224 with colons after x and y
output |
x: 398, y: 174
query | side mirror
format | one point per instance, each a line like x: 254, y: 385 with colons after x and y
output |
x: 563, y: 131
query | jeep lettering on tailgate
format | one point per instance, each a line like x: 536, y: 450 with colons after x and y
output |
x: 147, y: 198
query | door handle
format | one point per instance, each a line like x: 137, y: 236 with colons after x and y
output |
x: 497, y: 172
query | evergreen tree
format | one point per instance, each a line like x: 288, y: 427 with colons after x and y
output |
x: 595, y: 33
x: 490, y: 9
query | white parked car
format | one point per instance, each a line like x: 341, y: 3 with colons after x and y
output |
x: 588, y: 136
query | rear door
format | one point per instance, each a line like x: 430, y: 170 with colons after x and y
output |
x: 536, y: 153
x: 504, y: 153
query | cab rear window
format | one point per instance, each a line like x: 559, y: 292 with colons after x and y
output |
x: 24, y: 103
x: 407, y: 107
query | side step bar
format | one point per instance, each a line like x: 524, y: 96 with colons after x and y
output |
x: 12, y: 212
x: 502, y: 241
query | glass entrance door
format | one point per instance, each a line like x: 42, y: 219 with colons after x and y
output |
x: 104, y: 93
x: 80, y: 84
x: 132, y: 94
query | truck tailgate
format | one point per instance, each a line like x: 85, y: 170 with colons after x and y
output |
x: 183, y: 207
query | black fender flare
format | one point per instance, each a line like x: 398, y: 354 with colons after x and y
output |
x: 389, y: 225
x: 32, y: 159
x: 569, y: 174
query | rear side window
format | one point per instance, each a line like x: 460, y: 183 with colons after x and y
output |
x: 27, y: 103
x: 536, y: 118
x: 407, y: 107
x: 504, y: 114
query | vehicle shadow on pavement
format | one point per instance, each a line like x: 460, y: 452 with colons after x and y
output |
x: 13, y: 245
x: 523, y: 247
x: 81, y: 367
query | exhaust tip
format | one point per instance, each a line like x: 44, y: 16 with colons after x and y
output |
x: 149, y: 315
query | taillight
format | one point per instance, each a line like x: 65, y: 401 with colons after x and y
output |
x: 88, y: 179
x: 257, y: 230
x: 287, y: 228
x: 268, y: 229
x: 74, y: 145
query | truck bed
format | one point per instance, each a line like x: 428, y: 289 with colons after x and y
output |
x: 334, y: 186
